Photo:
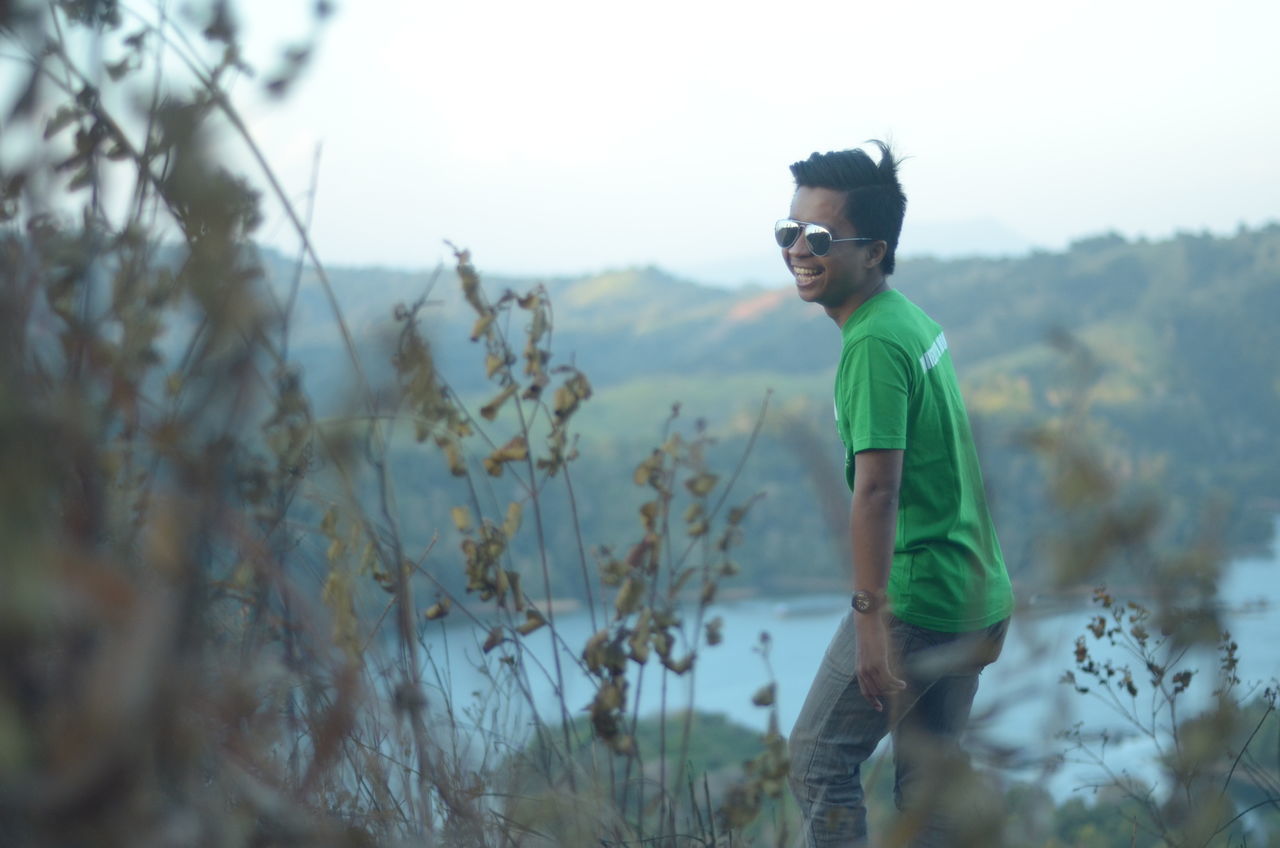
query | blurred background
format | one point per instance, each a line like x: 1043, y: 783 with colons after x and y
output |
x: 411, y: 436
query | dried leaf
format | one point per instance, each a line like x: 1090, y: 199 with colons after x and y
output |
x: 701, y: 484
x: 532, y: 621
x: 116, y: 70
x: 482, y: 325
x: 610, y: 697
x: 453, y: 455
x: 649, y: 470
x: 575, y: 390
x: 640, y: 557
x: 513, y: 451
x: 438, y: 610
x: 593, y: 653
x: 495, y: 639
x: 538, y: 328
x: 680, y: 666
x: 715, y: 631
x: 639, y: 640
x: 461, y: 518
x: 490, y: 410
x: 61, y: 119
x: 737, y: 513
x: 730, y: 537
x: 534, y: 390
x: 492, y: 364
x: 512, y: 522
x: 662, y: 643
x: 612, y: 572
x: 765, y: 695
x: 629, y: 596
x: 649, y: 515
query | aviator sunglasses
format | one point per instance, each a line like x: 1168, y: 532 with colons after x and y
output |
x: 787, y: 230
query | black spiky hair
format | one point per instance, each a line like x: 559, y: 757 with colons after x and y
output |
x: 874, y: 201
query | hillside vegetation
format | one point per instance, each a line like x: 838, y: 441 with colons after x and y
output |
x: 1159, y: 347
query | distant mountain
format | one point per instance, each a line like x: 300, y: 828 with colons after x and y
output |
x: 1183, y: 384
x: 644, y: 322
x: 617, y: 325
x: 962, y: 239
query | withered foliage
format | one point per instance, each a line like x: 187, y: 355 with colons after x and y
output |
x: 1147, y: 650
x: 190, y: 650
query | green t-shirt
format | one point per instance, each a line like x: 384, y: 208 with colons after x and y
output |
x: 896, y: 389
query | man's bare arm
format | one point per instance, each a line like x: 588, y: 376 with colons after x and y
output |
x: 873, y: 523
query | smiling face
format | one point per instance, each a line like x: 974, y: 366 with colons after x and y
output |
x: 850, y: 272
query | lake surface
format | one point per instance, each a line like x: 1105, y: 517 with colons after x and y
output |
x: 1021, y: 704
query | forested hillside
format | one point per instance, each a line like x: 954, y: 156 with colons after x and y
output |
x: 1161, y: 347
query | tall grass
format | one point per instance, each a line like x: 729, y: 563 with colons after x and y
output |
x: 193, y: 653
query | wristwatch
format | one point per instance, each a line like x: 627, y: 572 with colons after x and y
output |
x: 864, y: 601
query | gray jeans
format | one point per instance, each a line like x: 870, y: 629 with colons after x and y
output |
x: 838, y: 730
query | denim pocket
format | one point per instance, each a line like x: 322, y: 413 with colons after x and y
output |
x: 931, y: 654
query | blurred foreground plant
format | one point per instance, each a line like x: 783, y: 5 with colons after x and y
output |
x: 189, y: 650
x: 1205, y: 773
x: 1212, y: 777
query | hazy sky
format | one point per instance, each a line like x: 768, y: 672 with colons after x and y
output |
x: 574, y: 136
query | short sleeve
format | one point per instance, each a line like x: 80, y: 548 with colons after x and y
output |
x: 873, y: 385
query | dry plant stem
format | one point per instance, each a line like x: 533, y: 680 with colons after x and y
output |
x: 566, y: 720
x: 144, y: 170
x: 295, y: 281
x: 705, y: 538
x: 234, y: 410
x: 232, y: 114
x: 404, y: 597
x: 737, y: 470
x: 431, y: 797
x: 637, y: 760
x: 145, y: 176
x: 411, y: 697
x: 665, y: 673
x: 587, y: 581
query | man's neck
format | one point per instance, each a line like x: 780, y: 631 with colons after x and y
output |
x: 844, y: 311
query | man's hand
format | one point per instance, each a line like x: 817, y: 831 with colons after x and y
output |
x: 875, y: 678
x: 873, y: 523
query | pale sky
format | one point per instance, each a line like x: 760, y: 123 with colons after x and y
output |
x: 568, y: 137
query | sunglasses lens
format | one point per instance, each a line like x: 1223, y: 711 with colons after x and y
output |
x: 819, y: 240
x: 786, y: 232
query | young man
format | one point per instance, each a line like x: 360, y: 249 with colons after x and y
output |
x: 931, y: 597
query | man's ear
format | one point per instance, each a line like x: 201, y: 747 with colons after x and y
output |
x: 876, y: 252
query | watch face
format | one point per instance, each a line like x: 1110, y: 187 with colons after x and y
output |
x: 863, y: 601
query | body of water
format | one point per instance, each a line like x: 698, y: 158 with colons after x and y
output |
x: 1021, y: 707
